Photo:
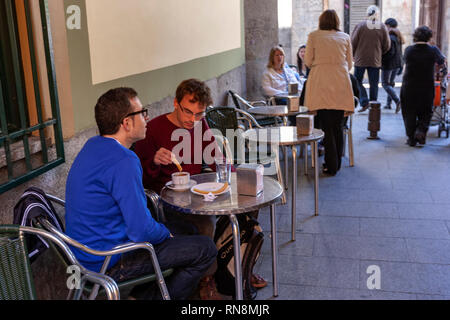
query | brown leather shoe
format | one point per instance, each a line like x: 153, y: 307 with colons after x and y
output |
x: 208, y: 289
x: 258, y: 282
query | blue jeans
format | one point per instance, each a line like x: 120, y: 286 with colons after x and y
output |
x: 388, y: 81
x: 189, y: 255
x: 374, y: 78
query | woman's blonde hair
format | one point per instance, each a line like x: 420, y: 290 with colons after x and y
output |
x: 272, y: 55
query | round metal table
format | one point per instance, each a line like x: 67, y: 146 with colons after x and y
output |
x: 230, y: 204
x: 287, y: 136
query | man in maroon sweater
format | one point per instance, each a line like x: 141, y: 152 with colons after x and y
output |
x: 185, y: 134
x: 184, y: 127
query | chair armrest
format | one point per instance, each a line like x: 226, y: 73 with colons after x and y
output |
x: 126, y: 247
x: 259, y: 102
x: 154, y: 198
x: 99, y: 279
x: 249, y: 116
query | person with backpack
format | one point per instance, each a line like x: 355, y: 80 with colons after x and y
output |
x: 392, y: 63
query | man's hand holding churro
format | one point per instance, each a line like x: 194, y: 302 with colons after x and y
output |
x: 163, y: 157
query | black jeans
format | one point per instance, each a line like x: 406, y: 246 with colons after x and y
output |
x: 189, y: 255
x: 388, y: 81
x: 331, y: 122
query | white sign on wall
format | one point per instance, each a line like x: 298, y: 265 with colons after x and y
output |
x: 137, y: 36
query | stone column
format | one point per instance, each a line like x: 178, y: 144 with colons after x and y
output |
x: 305, y: 19
x: 261, y: 33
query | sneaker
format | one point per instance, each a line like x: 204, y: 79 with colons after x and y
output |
x: 208, y: 289
x: 387, y: 107
x: 398, y: 107
x: 258, y: 282
x: 364, y: 108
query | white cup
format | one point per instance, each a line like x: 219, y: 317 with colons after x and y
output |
x: 180, y: 178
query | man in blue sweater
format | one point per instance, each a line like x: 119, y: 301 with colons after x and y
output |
x: 106, y: 204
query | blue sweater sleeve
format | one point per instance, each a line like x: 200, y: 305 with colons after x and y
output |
x: 128, y: 192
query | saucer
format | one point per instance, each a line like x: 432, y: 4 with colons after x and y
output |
x: 182, y: 187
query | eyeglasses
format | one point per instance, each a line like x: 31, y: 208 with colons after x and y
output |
x: 189, y: 113
x: 144, y: 112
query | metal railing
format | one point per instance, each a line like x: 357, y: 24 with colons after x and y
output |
x: 25, y: 130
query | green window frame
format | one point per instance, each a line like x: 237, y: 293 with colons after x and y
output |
x: 14, y: 123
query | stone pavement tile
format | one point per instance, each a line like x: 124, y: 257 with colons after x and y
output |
x: 424, y: 211
x: 404, y: 228
x: 413, y: 196
x: 387, y: 195
x: 432, y: 297
x: 408, y: 277
x: 437, y: 181
x: 407, y: 183
x: 313, y: 271
x: 374, y: 248
x: 293, y: 292
x: 322, y: 224
x: 403, y: 172
x: 440, y: 196
x: 302, y: 246
x: 429, y: 251
x: 359, y: 209
x: 333, y: 193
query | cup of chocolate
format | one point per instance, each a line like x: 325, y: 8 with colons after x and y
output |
x: 180, y: 178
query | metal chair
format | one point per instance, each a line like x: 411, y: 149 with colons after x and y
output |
x: 226, y: 119
x: 16, y: 280
x: 244, y: 105
x: 349, y: 135
x: 94, y: 290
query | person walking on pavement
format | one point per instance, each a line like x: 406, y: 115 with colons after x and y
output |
x: 392, y: 63
x: 370, y: 40
x: 417, y: 92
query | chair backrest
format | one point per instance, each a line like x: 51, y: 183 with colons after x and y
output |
x: 239, y: 102
x: 222, y: 118
x: 16, y: 280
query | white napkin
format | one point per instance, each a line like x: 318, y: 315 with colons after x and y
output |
x: 209, y: 197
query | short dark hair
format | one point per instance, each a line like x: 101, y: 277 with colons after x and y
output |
x: 329, y: 20
x: 391, y: 22
x: 111, y: 108
x: 422, y: 34
x: 201, y: 92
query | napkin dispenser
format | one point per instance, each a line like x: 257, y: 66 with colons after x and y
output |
x: 305, y: 124
x: 250, y: 179
x: 293, y: 103
x: 293, y: 88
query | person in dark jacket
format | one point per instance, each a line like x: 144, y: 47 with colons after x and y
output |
x: 392, y: 63
x: 417, y: 92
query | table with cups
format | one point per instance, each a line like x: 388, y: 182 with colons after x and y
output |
x: 197, y: 197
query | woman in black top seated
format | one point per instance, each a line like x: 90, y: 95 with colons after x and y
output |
x: 417, y: 91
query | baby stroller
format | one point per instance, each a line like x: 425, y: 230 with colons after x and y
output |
x: 441, y: 103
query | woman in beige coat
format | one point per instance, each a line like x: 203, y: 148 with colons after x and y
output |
x: 329, y: 89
